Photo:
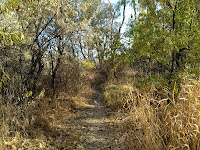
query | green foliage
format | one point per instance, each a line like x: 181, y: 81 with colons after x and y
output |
x: 88, y: 64
x: 163, y: 28
x: 10, y: 29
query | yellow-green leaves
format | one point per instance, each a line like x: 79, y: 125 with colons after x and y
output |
x: 172, y: 26
x: 27, y: 95
x: 18, y: 37
x: 9, y: 6
x: 27, y: 55
x: 10, y: 28
x: 88, y: 64
x: 12, y: 37
x: 14, y: 3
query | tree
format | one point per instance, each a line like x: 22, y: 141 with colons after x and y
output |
x: 167, y: 32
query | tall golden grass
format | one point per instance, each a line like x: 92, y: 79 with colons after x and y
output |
x: 160, y: 116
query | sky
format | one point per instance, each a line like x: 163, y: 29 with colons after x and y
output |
x: 128, y: 12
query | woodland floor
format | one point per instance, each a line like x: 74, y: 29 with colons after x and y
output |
x: 96, y: 126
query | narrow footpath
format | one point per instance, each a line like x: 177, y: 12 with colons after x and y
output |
x: 96, y: 126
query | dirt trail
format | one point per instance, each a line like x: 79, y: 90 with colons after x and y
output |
x: 95, y: 126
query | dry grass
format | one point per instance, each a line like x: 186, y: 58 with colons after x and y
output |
x: 114, y: 94
x: 159, y: 117
x: 44, y: 123
x: 37, y: 125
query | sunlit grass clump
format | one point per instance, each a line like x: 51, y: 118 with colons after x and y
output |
x: 160, y: 116
x: 114, y: 94
x: 88, y: 65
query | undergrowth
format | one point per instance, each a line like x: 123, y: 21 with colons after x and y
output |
x: 44, y: 122
x: 161, y: 115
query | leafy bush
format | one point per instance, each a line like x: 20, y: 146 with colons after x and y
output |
x: 88, y: 64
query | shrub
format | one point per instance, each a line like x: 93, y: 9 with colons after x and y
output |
x: 87, y: 64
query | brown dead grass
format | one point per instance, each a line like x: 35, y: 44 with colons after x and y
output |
x: 44, y: 123
x: 41, y: 125
x: 157, y: 117
x: 151, y: 115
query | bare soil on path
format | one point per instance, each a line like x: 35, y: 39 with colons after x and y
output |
x: 96, y: 126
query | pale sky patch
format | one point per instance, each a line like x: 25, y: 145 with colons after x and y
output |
x: 128, y: 12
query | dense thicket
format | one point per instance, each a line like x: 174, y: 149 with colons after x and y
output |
x: 38, y: 37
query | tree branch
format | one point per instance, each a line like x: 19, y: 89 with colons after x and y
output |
x: 44, y: 27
